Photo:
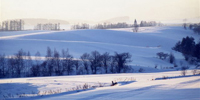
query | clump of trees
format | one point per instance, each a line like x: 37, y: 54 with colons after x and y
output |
x: 81, y: 26
x: 47, y: 26
x: 16, y: 65
x: 163, y: 56
x: 56, y: 63
x: 150, y: 24
x: 12, y: 25
x: 111, y: 25
x: 189, y: 49
x: 194, y: 27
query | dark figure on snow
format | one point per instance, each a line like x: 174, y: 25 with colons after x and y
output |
x: 113, y: 83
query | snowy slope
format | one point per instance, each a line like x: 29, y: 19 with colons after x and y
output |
x: 142, y: 45
x: 13, y: 33
x: 143, y: 88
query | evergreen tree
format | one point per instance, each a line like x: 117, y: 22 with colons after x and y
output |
x: 177, y: 46
x: 171, y: 58
x: 197, y: 50
x: 136, y: 27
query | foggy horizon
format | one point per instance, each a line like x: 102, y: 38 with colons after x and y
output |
x: 100, y: 10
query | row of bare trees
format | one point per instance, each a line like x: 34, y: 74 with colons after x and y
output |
x: 150, y: 23
x: 55, y: 63
x: 12, y: 25
x: 101, y: 26
x: 47, y: 26
x: 111, y: 25
x: 117, y: 25
x: 80, y: 26
x: 15, y: 66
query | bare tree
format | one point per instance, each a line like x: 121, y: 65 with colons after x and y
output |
x: 49, y: 61
x: 68, y: 63
x: 2, y: 66
x: 85, y: 62
x: 20, y: 63
x: 76, y: 64
x: 12, y: 66
x: 113, y: 64
x: 96, y: 61
x: 183, y: 71
x: 122, y: 59
x: 57, y: 62
x: 106, y: 61
x: 36, y: 69
x: 2, y: 26
x: 28, y: 64
x: 37, y: 58
x: 6, y: 25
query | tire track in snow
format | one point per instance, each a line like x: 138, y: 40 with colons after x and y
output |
x: 89, y: 42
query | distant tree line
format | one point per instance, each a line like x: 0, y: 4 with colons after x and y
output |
x: 80, y: 26
x: 47, y: 26
x: 109, y: 26
x: 55, y: 64
x: 189, y: 49
x: 150, y: 24
x: 144, y: 24
x: 117, y: 25
x: 12, y: 25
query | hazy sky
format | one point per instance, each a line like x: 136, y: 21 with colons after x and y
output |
x: 97, y: 10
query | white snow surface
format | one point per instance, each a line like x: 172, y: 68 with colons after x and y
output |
x: 143, y: 88
x: 143, y: 45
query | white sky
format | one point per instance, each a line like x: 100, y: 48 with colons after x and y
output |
x: 97, y: 10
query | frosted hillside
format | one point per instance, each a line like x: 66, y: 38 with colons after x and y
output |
x: 142, y: 45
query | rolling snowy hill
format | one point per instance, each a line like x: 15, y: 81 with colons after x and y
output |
x: 142, y: 45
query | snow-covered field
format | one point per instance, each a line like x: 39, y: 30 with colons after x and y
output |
x: 143, y: 47
x: 142, y: 87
